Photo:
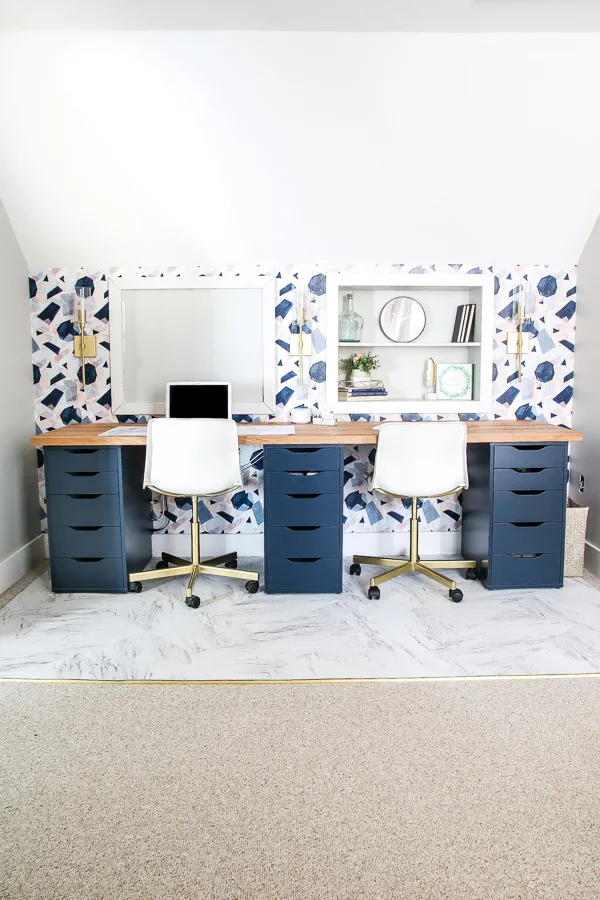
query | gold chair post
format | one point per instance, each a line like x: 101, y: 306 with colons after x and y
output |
x: 195, y: 533
x: 414, y: 532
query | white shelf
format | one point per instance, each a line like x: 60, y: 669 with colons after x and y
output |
x: 343, y: 344
x: 403, y: 372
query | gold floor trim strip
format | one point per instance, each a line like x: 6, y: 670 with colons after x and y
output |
x: 243, y: 681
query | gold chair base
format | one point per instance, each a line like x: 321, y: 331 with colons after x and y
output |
x: 400, y: 566
x: 414, y: 564
x: 187, y: 567
x: 193, y: 567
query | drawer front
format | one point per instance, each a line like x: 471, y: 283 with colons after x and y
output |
x: 73, y: 509
x: 295, y: 509
x: 304, y: 483
x: 544, y: 570
x: 547, y: 506
x: 541, y: 538
x: 527, y: 456
x: 541, y: 480
x: 302, y: 576
x: 91, y: 540
x: 302, y: 459
x: 304, y: 542
x: 81, y: 459
x: 88, y: 574
x: 82, y: 482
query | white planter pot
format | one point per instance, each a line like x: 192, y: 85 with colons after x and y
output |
x: 357, y: 375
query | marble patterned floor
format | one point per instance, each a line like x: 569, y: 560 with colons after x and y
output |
x: 413, y: 630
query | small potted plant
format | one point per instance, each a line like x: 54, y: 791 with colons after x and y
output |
x: 359, y: 367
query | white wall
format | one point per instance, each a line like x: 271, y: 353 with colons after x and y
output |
x: 19, y: 516
x: 585, y: 456
x: 168, y: 148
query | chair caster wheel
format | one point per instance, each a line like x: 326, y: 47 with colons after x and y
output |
x: 193, y: 602
x: 251, y: 587
x: 455, y: 595
x: 162, y: 564
x: 471, y: 574
x: 355, y: 569
x: 374, y: 593
x: 232, y: 564
x: 135, y: 587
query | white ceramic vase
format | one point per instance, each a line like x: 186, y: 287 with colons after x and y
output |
x: 358, y: 375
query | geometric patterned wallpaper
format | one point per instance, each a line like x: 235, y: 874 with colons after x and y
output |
x: 544, y: 393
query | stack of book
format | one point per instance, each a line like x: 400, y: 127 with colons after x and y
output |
x: 356, y: 390
x: 464, y: 324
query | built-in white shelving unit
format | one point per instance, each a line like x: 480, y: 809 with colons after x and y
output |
x: 413, y: 344
x: 403, y: 365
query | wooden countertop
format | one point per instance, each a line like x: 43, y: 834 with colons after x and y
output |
x: 484, y: 432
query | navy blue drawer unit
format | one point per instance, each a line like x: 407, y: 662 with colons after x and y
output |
x: 304, y: 509
x: 83, y: 482
x: 302, y: 541
x: 303, y: 519
x: 80, y: 459
x: 305, y: 482
x: 86, y: 509
x: 517, y: 456
x: 89, y: 574
x: 527, y: 570
x: 77, y: 541
x: 303, y: 459
x: 514, y: 513
x: 528, y: 506
x: 529, y: 479
x: 99, y: 517
x: 530, y: 537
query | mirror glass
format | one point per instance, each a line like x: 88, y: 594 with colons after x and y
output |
x: 402, y: 320
x: 192, y: 335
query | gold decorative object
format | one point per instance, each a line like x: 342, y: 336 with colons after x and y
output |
x: 85, y: 346
x: 519, y: 342
x: 298, y: 345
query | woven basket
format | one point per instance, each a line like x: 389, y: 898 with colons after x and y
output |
x: 575, y: 539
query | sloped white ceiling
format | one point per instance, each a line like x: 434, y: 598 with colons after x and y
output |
x: 306, y: 15
x: 177, y: 148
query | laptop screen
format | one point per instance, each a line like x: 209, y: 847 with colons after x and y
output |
x: 198, y: 401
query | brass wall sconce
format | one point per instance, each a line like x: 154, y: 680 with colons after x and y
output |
x: 85, y: 346
x: 300, y: 341
x: 523, y: 308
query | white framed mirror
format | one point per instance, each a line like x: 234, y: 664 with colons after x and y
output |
x: 192, y: 329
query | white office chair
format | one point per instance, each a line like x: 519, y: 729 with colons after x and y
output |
x: 419, y: 459
x: 193, y: 458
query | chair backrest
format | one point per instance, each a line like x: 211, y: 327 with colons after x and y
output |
x: 421, y: 459
x: 192, y: 457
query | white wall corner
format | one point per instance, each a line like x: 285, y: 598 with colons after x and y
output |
x: 592, y: 559
x: 22, y: 561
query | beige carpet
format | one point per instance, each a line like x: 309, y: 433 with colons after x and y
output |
x: 475, y: 789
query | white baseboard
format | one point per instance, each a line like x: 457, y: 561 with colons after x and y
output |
x: 431, y: 543
x: 592, y: 559
x: 210, y: 544
x: 21, y: 562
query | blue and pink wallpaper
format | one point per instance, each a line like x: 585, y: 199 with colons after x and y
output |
x: 545, y: 392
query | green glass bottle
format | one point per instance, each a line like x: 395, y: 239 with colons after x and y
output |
x: 350, y: 324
